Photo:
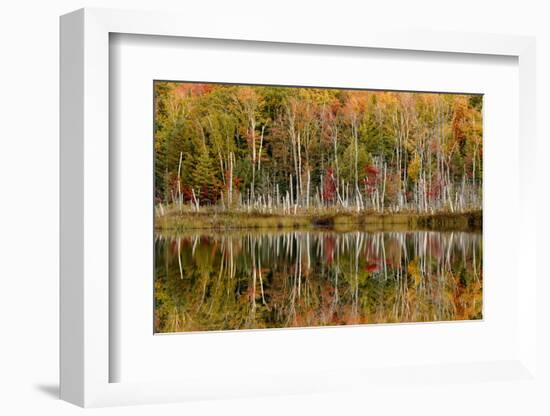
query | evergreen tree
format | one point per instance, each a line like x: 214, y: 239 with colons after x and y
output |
x: 205, y: 182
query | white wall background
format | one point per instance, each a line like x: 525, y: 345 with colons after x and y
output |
x: 29, y: 81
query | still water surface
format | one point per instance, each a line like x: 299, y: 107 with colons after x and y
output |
x: 244, y: 280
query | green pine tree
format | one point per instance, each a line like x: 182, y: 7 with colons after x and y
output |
x: 205, y: 181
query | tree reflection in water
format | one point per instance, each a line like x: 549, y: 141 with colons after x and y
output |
x: 246, y: 280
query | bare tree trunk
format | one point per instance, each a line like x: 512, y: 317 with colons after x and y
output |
x: 195, y: 199
x: 337, y: 170
x: 307, y: 189
x: 179, y: 182
x: 230, y: 194
x: 355, y: 134
x: 299, y: 188
x: 252, y: 121
x: 260, y: 150
x: 291, y: 190
x: 384, y: 188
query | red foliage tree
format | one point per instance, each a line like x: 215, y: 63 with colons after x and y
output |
x: 329, y: 186
x: 371, y: 178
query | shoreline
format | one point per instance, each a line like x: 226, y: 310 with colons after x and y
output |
x: 368, y: 221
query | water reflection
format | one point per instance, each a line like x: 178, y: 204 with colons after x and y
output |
x: 299, y: 279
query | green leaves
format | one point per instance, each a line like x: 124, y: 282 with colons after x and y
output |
x: 430, y: 144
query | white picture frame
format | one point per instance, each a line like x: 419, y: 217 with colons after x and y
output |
x: 85, y: 220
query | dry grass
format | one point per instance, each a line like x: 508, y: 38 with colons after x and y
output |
x: 220, y: 220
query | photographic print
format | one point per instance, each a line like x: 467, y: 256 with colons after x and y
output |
x: 280, y: 207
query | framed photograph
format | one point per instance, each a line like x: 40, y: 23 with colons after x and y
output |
x: 281, y: 213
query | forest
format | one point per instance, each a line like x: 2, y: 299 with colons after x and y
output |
x: 300, y: 151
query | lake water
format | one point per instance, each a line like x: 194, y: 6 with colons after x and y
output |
x: 250, y: 280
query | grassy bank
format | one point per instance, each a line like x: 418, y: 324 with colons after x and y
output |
x: 468, y: 221
x: 449, y: 221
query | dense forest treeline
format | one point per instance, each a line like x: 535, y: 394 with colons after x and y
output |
x: 286, y: 149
